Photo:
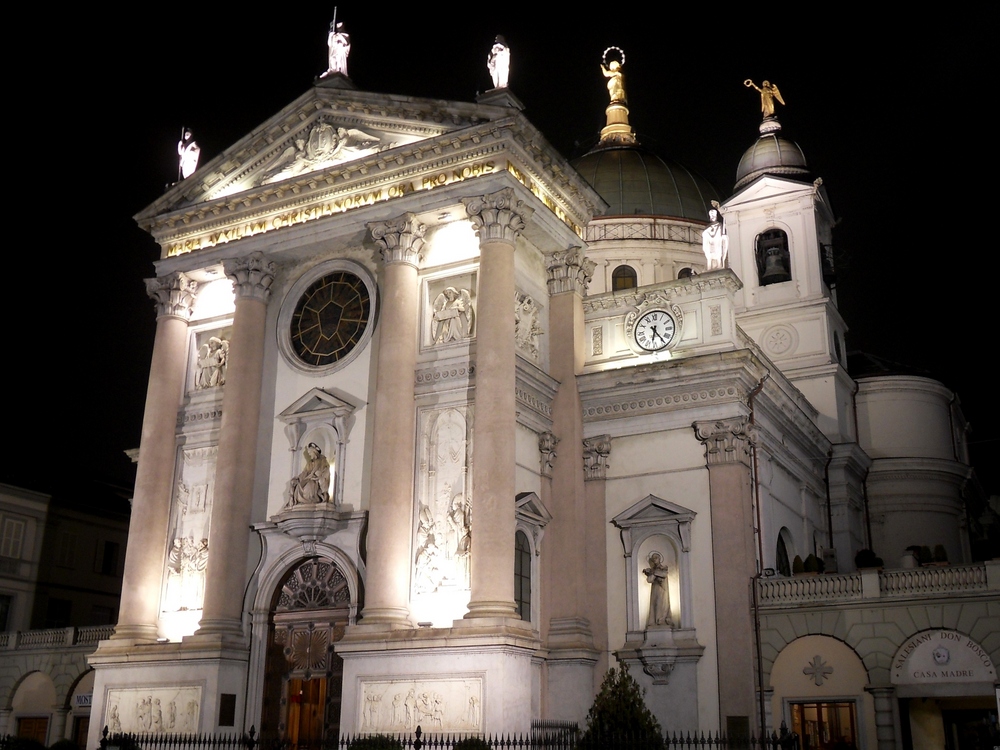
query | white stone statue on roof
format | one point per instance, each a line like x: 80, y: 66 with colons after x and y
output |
x: 498, y: 63
x: 189, y: 151
x: 338, y: 43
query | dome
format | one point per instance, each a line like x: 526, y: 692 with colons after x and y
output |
x: 771, y: 154
x: 635, y: 181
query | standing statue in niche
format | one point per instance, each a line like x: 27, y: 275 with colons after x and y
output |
x: 188, y: 150
x: 659, y: 595
x: 526, y: 328
x: 453, y: 315
x: 768, y: 95
x: 616, y: 79
x: 212, y: 359
x: 338, y: 44
x: 312, y: 485
x: 715, y: 241
x: 498, y: 63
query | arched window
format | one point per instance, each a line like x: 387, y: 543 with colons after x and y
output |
x: 623, y: 278
x: 781, y: 561
x: 522, y: 575
x: 685, y: 273
x: 774, y: 264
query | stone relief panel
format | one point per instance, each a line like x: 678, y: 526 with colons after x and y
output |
x: 211, y: 358
x: 444, y: 502
x: 324, y: 145
x: 526, y: 326
x: 169, y: 710
x: 437, y: 705
x: 187, y: 555
x: 450, y: 316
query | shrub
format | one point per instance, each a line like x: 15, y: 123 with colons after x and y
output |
x: 940, y: 555
x: 867, y: 559
x: 813, y: 564
x: 472, y: 743
x: 797, y: 566
x: 619, y: 712
x: 376, y: 742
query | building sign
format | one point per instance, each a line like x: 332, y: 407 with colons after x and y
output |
x: 84, y: 700
x: 938, y: 656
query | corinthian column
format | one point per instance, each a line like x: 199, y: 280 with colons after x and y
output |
x: 225, y: 578
x: 390, y: 519
x: 498, y: 219
x: 728, y: 445
x: 174, y: 295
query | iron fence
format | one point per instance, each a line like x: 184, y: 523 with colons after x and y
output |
x: 544, y: 736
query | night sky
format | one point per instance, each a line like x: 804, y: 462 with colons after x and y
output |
x: 893, y: 118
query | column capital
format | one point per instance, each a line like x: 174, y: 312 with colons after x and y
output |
x: 547, y: 443
x: 595, y: 457
x: 400, y: 240
x: 252, y: 276
x: 498, y: 217
x: 173, y: 294
x: 570, y: 271
x: 727, y: 441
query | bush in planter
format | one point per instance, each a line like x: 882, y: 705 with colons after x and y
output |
x: 925, y: 557
x: 472, y: 743
x: 867, y: 559
x: 376, y: 742
x: 619, y: 713
x: 797, y: 566
x: 940, y: 555
x: 813, y: 564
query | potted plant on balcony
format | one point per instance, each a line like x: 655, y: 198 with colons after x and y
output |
x: 813, y: 565
x: 940, y: 556
x: 868, y: 559
x: 797, y: 567
x: 926, y: 558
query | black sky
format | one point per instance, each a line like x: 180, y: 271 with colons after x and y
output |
x: 894, y: 116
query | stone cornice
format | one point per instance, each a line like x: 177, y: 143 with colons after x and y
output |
x: 498, y: 217
x: 252, y: 276
x: 173, y: 295
x: 400, y: 240
x: 446, y: 375
x: 665, y: 293
x: 569, y: 271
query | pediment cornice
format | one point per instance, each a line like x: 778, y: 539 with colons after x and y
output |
x: 331, y: 151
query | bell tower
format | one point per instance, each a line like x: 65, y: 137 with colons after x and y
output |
x: 780, y: 237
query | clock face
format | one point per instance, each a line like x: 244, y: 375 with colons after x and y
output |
x: 330, y: 318
x: 655, y: 330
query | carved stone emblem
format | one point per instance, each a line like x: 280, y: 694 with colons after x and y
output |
x: 323, y: 146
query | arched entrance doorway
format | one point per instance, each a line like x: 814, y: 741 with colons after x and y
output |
x: 303, y: 676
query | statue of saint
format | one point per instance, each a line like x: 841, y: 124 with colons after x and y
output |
x: 453, y: 315
x: 312, y: 485
x: 659, y: 595
x: 338, y: 43
x: 212, y: 360
x: 498, y: 63
x: 616, y: 81
x: 188, y: 150
x: 715, y: 241
x: 768, y: 94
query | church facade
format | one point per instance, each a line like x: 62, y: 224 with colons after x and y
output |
x: 440, y: 426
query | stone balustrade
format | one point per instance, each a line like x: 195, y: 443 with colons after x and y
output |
x: 977, y: 579
x: 55, y: 637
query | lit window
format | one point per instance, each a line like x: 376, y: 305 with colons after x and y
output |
x: 623, y: 278
x: 825, y: 725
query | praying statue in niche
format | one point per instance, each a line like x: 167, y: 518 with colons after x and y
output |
x: 312, y: 485
x: 768, y: 94
x: 715, y: 241
x: 212, y: 359
x: 616, y: 79
x: 659, y: 595
x: 188, y: 150
x: 498, y: 63
x: 453, y: 315
x: 338, y: 43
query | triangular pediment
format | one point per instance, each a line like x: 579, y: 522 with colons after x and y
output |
x: 529, y: 506
x: 320, y: 131
x: 652, y: 510
x: 770, y: 188
x: 316, y: 403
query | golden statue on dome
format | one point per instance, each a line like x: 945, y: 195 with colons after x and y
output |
x: 768, y: 95
x: 613, y: 72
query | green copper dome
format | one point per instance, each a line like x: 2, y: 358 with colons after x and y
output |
x: 771, y: 154
x: 635, y: 181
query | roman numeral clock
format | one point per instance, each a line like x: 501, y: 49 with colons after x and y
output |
x: 654, y: 327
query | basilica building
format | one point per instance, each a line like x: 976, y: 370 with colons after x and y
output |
x: 441, y: 426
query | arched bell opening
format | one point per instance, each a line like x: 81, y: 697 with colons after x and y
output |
x: 303, y: 682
